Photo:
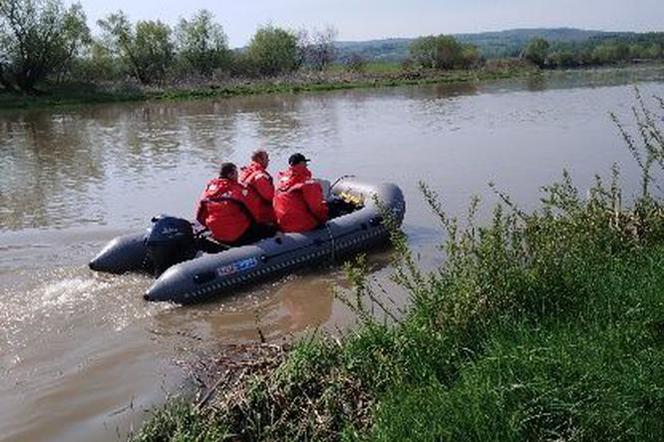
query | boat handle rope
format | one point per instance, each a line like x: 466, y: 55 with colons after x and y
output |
x: 342, y: 177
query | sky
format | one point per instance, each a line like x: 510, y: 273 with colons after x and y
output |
x: 373, y: 19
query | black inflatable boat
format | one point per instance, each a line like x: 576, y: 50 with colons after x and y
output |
x: 192, y: 273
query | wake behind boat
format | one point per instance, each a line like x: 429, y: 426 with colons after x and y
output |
x: 194, y: 271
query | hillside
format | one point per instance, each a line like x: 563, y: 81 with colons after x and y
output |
x: 491, y: 44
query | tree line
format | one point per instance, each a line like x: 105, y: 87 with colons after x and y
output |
x: 43, y: 41
x: 595, y: 51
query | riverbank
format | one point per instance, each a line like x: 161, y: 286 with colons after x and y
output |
x: 542, y: 325
x: 375, y: 77
x: 538, y: 326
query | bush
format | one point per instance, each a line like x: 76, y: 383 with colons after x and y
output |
x: 536, y: 51
x: 610, y: 53
x: 442, y: 52
x: 561, y: 59
x: 273, y: 51
x: 470, y: 57
x: 242, y: 65
x: 407, y: 64
x: 356, y: 63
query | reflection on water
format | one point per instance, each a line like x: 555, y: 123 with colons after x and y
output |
x: 81, y: 354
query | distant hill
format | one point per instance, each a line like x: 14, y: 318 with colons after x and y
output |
x: 491, y: 44
x: 391, y: 49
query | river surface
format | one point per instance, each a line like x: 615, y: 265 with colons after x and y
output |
x: 82, y: 355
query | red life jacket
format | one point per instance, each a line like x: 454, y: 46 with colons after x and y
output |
x: 226, y: 209
x: 298, y: 201
x: 259, y: 181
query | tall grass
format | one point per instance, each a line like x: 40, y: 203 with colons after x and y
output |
x: 546, y: 325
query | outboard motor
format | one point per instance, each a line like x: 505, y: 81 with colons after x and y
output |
x: 169, y: 242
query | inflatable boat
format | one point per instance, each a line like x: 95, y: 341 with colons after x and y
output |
x: 191, y: 271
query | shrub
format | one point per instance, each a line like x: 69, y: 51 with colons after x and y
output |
x: 536, y: 51
x: 273, y: 51
x: 356, y: 63
x: 442, y: 52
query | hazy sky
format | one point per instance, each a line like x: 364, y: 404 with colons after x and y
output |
x: 369, y: 19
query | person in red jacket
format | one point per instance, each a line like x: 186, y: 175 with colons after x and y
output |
x: 299, y: 204
x: 227, y: 209
x: 256, y: 177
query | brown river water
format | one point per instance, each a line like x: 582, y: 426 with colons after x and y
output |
x: 82, y: 356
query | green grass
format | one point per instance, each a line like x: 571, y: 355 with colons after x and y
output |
x: 591, y: 372
x: 538, y: 326
x: 179, y: 422
x: 375, y: 67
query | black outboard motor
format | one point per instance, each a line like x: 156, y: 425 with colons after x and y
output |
x: 170, y: 241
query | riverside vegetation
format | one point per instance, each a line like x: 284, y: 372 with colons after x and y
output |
x: 48, y: 56
x: 546, y: 325
x: 372, y: 76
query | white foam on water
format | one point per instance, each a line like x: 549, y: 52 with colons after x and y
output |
x: 72, y: 290
x: 20, y: 308
x: 132, y: 312
x: 62, y: 300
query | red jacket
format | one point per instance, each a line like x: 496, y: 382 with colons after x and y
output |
x: 259, y: 181
x: 226, y: 209
x: 298, y: 201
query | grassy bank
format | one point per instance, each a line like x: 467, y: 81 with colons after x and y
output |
x: 538, y: 326
x: 376, y: 75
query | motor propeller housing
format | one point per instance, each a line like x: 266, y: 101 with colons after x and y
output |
x: 169, y: 241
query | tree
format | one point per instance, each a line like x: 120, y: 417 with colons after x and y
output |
x: 536, y: 51
x: 273, y: 51
x: 146, y: 48
x: 470, y: 56
x: 38, y: 38
x: 423, y: 51
x: 202, y: 43
x: 303, y: 46
x: 437, y: 52
x: 321, y: 50
x: 97, y: 64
